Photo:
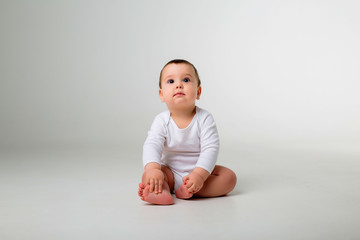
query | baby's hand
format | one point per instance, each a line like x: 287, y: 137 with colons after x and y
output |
x: 194, y: 182
x: 155, y: 178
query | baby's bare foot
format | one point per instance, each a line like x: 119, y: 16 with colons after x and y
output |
x: 183, y: 193
x: 163, y: 198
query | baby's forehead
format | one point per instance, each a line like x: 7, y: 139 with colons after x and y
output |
x: 178, y: 68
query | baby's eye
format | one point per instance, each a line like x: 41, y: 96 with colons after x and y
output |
x: 170, y: 81
x: 186, y: 80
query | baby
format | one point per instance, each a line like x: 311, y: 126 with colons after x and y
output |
x: 181, y: 148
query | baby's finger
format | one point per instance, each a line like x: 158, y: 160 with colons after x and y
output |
x: 189, y: 187
x: 151, y: 185
x: 160, y: 186
x: 156, y: 186
x: 192, y: 189
x: 196, y: 189
x: 188, y: 184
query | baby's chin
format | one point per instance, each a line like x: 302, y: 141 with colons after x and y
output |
x: 181, y: 106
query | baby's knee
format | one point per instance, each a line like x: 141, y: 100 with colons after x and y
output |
x: 230, y: 179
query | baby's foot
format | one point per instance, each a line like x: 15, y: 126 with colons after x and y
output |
x: 183, y: 193
x: 163, y: 198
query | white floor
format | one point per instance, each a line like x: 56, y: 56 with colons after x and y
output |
x: 92, y: 194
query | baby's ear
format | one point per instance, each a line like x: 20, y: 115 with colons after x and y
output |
x: 198, y: 93
x: 161, y: 95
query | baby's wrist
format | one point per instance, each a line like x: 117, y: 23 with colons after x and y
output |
x: 199, y: 176
x: 152, y: 165
x: 202, y: 173
x: 153, y: 170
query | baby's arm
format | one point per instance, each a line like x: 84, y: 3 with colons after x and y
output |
x: 154, y: 177
x: 195, y: 180
x: 209, y: 142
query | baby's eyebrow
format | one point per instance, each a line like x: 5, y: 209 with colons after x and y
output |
x: 168, y: 76
x: 171, y: 76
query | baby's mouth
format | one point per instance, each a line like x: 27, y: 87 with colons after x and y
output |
x: 178, y: 94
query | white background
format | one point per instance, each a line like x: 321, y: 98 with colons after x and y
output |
x: 85, y: 73
x: 79, y: 90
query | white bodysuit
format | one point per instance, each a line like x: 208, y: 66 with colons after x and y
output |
x: 182, y: 150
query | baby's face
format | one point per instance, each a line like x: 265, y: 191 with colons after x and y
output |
x: 179, y: 86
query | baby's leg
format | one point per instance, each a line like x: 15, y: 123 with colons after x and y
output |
x: 163, y: 198
x: 221, y: 181
x: 169, y: 176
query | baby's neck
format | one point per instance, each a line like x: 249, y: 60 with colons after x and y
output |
x: 183, y: 113
x: 183, y: 118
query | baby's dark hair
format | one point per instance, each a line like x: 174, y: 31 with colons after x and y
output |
x: 177, y: 61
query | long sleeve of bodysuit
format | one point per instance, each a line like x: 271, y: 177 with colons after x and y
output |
x: 154, y: 143
x: 209, y: 143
